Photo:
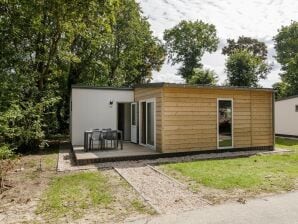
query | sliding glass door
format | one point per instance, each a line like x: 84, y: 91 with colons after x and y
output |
x: 224, y: 123
x: 147, y: 123
x: 150, y: 123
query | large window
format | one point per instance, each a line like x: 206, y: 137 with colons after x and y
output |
x: 225, y: 123
x: 150, y: 123
x: 147, y: 123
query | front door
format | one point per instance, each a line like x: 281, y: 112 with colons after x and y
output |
x: 133, y: 126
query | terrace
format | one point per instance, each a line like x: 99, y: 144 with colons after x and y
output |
x: 130, y: 151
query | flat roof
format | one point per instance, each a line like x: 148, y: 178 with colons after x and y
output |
x: 173, y: 85
x: 180, y: 85
x: 100, y: 87
x: 288, y: 98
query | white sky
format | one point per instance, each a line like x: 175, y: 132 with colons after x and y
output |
x: 255, y: 18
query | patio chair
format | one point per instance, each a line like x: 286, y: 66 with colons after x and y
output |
x: 96, y: 136
x: 112, y: 136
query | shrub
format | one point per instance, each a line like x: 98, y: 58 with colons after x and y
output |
x: 21, y: 126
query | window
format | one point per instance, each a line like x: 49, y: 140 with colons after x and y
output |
x: 150, y: 123
x: 296, y: 108
x: 225, y: 123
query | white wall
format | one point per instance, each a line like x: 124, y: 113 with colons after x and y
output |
x: 286, y: 118
x: 91, y: 109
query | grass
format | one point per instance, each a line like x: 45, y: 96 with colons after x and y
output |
x: 72, y: 194
x: 263, y: 173
x: 285, y: 143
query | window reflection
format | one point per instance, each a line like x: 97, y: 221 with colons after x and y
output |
x: 225, y: 123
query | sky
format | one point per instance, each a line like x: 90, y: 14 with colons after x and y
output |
x: 259, y: 19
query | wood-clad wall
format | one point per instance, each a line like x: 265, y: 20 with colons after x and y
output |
x: 186, y: 118
x: 190, y: 118
x: 148, y: 93
x: 262, y: 125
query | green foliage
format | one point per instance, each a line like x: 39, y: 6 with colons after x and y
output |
x: 257, y: 48
x: 22, y: 124
x: 50, y: 45
x: 245, y: 69
x: 286, y: 46
x: 286, y: 143
x: 281, y: 89
x: 187, y: 42
x: 127, y: 56
x: 6, y: 152
x: 203, y: 77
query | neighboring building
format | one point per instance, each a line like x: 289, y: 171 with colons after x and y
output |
x: 176, y: 117
x: 286, y: 116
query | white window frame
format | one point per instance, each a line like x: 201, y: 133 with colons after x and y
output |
x: 135, y: 114
x: 151, y: 100
x: 217, y: 122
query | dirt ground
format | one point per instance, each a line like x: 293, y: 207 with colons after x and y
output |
x: 30, y: 179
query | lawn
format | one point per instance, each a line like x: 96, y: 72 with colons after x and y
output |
x: 252, y: 175
x: 285, y: 143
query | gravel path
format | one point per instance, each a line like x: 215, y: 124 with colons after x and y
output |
x: 161, y: 192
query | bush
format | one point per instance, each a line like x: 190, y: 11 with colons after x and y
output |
x: 21, y: 126
x: 6, y: 152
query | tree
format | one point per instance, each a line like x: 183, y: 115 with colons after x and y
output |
x: 34, y: 42
x: 203, y: 77
x: 280, y: 89
x: 187, y: 42
x: 50, y: 45
x: 257, y: 48
x: 245, y: 69
x: 134, y: 53
x: 286, y: 46
x: 128, y: 56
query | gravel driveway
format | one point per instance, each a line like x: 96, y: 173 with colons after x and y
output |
x: 163, y: 193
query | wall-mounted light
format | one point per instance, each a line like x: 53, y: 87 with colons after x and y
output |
x: 111, y: 103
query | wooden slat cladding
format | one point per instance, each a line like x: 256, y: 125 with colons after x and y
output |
x: 148, y: 93
x: 261, y: 118
x: 190, y: 118
x: 186, y: 118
